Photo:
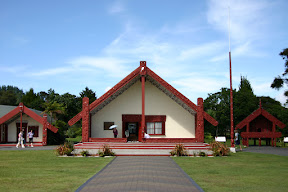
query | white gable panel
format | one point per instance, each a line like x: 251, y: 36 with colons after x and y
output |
x: 128, y: 102
x: 179, y: 122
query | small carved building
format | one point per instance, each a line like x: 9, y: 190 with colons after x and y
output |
x: 16, y: 118
x: 260, y: 125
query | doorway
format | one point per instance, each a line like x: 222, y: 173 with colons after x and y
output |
x: 24, y: 129
x: 131, y: 131
x: 3, y: 133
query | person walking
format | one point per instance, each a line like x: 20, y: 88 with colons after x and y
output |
x: 30, y: 136
x: 115, y: 132
x: 20, y: 140
x: 237, y: 139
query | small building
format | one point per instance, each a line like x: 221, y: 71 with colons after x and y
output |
x: 143, y: 103
x: 260, y: 125
x: 15, y: 118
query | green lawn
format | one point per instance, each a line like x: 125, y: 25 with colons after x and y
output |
x: 44, y: 171
x: 239, y: 172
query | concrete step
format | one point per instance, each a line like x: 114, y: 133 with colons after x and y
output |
x: 142, y: 149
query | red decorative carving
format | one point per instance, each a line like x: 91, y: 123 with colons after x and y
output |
x: 200, y: 121
x: 75, y: 119
x: 171, y: 140
x: 144, y: 71
x: 45, y: 126
x: 85, y: 119
x: 261, y: 134
x: 256, y: 114
x: 118, y: 140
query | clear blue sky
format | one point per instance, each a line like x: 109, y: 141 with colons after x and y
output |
x: 67, y: 45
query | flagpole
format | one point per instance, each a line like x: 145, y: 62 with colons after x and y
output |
x: 231, y: 92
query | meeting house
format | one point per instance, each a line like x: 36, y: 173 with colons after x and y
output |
x: 143, y: 103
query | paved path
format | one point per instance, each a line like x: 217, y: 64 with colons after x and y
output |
x: 141, y: 174
x: 5, y: 148
x: 267, y: 150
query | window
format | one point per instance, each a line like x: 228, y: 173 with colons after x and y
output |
x: 155, y: 128
x: 35, y: 130
x: 107, y: 125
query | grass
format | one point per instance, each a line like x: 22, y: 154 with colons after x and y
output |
x: 44, y: 171
x: 239, y: 172
x: 74, y: 140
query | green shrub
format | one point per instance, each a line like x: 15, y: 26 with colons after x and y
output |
x: 106, y: 151
x: 219, y: 149
x: 84, y: 153
x: 65, y: 149
x: 179, y: 150
x: 202, y: 154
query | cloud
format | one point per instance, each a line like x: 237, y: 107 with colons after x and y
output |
x: 246, y: 18
x: 200, y: 84
x: 116, y: 7
x: 51, y: 72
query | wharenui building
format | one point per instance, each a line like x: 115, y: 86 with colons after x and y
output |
x: 13, y: 119
x: 143, y: 103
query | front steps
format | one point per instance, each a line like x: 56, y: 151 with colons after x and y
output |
x: 141, y: 149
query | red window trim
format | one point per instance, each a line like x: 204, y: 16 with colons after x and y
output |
x: 163, y: 126
x: 148, y: 118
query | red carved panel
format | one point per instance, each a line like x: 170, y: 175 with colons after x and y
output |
x: 256, y: 114
x: 75, y: 119
x: 118, y: 140
x: 261, y: 134
x: 85, y: 119
x: 170, y: 140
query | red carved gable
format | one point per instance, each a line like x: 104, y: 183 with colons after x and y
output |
x: 143, y: 70
x: 258, y: 113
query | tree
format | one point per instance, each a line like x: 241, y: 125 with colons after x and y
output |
x: 32, y: 100
x: 52, y: 108
x: 88, y: 93
x: 10, y: 95
x: 245, y: 101
x: 281, y: 80
x: 218, y: 106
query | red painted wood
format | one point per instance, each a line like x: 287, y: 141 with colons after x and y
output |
x: 258, y: 113
x: 140, y: 71
x: 170, y: 140
x: 231, y: 105
x: 121, y: 140
x: 142, y: 128
x: 85, y: 119
x: 261, y: 134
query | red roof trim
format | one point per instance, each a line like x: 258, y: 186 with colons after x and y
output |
x: 130, y: 77
x: 257, y: 113
x: 171, y: 89
x: 114, y: 89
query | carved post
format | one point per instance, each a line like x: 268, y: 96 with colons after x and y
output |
x: 143, y: 73
x: 85, y: 119
x: 45, y: 124
x: 200, y: 121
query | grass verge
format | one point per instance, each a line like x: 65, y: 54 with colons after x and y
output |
x: 238, y: 172
x: 44, y: 171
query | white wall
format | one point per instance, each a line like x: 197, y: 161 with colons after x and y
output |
x: 12, y: 129
x: 179, y: 122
